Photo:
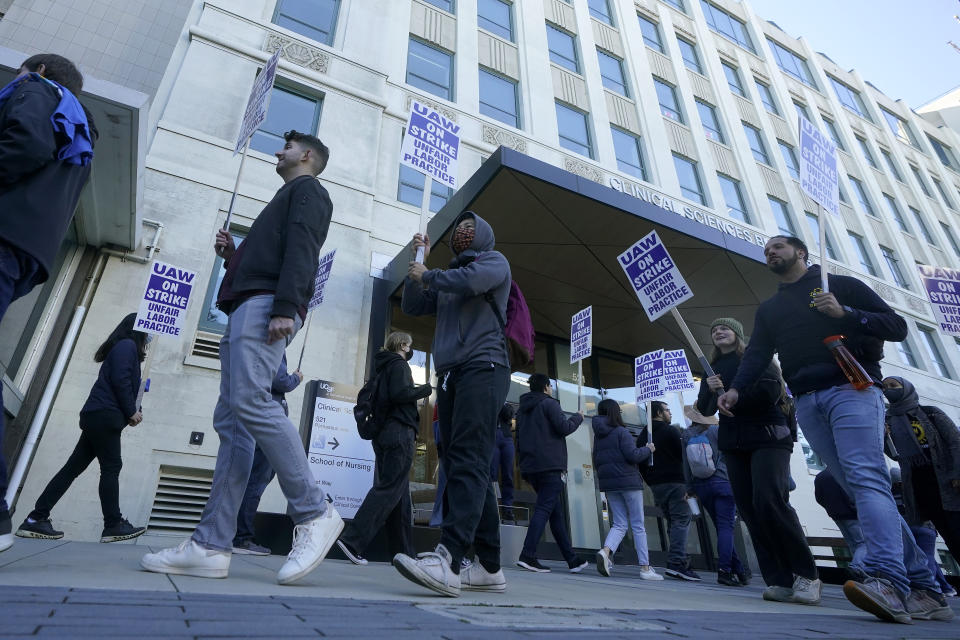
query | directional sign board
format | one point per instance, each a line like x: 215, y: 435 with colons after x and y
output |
x: 581, y: 335
x: 258, y: 102
x: 431, y: 144
x: 164, y: 304
x: 341, y: 461
x: 323, y: 274
x: 676, y: 372
x: 654, y: 277
x: 649, y: 376
x: 818, y: 167
x: 943, y: 290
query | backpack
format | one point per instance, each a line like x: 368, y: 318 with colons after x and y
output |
x: 700, y: 456
x: 517, y: 328
x: 369, y: 411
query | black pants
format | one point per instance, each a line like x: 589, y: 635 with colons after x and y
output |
x: 926, y: 495
x: 468, y: 400
x: 549, y: 508
x: 761, y: 488
x: 387, y: 504
x: 100, y: 439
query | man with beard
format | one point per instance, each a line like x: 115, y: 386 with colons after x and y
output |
x: 844, y: 426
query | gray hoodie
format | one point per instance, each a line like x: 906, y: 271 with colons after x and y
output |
x: 467, y: 329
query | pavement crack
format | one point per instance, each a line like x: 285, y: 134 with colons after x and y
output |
x: 174, y: 584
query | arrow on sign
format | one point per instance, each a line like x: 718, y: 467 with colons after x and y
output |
x: 329, y: 499
x: 335, y: 443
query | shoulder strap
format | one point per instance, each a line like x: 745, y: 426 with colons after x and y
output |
x: 488, y: 296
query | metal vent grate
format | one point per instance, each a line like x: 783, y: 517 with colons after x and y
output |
x: 206, y: 345
x: 178, y: 504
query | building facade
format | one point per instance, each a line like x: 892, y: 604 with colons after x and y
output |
x: 690, y: 105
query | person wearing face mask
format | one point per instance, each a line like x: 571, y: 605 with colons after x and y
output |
x: 387, y: 504
x: 928, y: 450
x: 470, y: 355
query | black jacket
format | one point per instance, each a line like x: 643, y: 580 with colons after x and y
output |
x: 118, y: 382
x: 758, y: 422
x: 283, y: 246
x: 616, y: 456
x: 397, y: 391
x: 542, y: 431
x: 38, y: 193
x: 667, y: 464
x: 789, y: 324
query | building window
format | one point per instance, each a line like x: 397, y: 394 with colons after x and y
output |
x: 766, y: 97
x: 899, y: 127
x: 792, y: 64
x: 757, y: 147
x: 676, y: 4
x: 563, y: 49
x: 896, y: 213
x: 943, y: 194
x: 861, y: 195
x: 430, y: 69
x: 843, y: 196
x: 801, y: 110
x: 865, y: 147
x: 600, y: 10
x: 733, y: 197
x: 667, y: 96
x: 834, y: 133
x: 629, y: 153
x: 814, y: 221
x: 410, y: 189
x: 574, y: 130
x: 288, y: 110
x: 790, y: 159
x: 611, y: 73
x: 860, y: 249
x: 316, y: 20
x: 496, y: 16
x: 446, y: 5
x: 952, y: 239
x: 893, y: 264
x: 727, y: 25
x: 781, y: 214
x: 944, y: 152
x: 907, y: 354
x: 711, y: 125
x: 733, y: 79
x: 891, y: 164
x: 850, y: 98
x: 689, y: 177
x: 214, y: 320
x: 688, y: 51
x: 919, y: 178
x: 498, y: 98
x: 651, y: 33
x: 933, y: 351
x: 922, y: 225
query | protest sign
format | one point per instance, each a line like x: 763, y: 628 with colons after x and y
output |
x: 323, y: 274
x: 676, y: 372
x: 165, y: 298
x: 943, y: 290
x: 654, y: 277
x: 258, y: 102
x: 648, y: 370
x: 581, y: 335
x: 431, y: 144
x: 818, y: 167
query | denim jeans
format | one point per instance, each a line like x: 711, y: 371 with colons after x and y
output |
x: 247, y: 415
x: 853, y: 535
x: 261, y: 473
x: 626, y: 508
x: 845, y: 428
x: 717, y: 498
x: 926, y: 538
x: 669, y: 496
x: 502, y: 467
x: 18, y: 275
x: 549, y: 508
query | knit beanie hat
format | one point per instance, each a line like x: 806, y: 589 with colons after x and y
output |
x: 734, y: 325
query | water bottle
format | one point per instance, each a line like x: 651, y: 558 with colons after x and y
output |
x: 848, y: 364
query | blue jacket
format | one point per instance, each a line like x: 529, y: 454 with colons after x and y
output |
x: 118, y: 382
x: 283, y: 383
x: 542, y: 431
x: 616, y: 456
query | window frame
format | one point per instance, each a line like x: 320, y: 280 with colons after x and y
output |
x: 934, y: 352
x: 760, y: 154
x: 484, y: 71
x: 509, y: 28
x: 676, y: 108
x: 798, y: 67
x: 693, y: 64
x: 450, y: 5
x: 895, y: 211
x: 860, y: 192
x: 909, y: 138
x: 623, y: 90
x: 893, y: 266
x: 451, y: 97
x: 915, y: 170
x: 440, y: 193
x: 907, y: 353
x: 786, y: 224
x: 734, y: 184
x: 844, y: 93
x: 767, y: 98
x: 701, y: 196
x: 891, y: 164
x: 586, y: 124
x: 952, y: 239
x: 331, y: 35
x: 637, y: 141
x: 862, y: 253
x: 605, y: 16
x: 944, y: 153
x: 813, y: 221
x: 656, y: 41
x: 865, y: 148
x: 833, y: 132
x: 317, y: 113
x: 714, y: 132
x: 736, y: 84
x: 214, y: 283
x: 789, y: 156
x: 943, y: 193
x: 739, y: 35
x: 922, y: 225
x: 553, y: 55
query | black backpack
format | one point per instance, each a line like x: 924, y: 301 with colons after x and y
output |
x: 370, y: 412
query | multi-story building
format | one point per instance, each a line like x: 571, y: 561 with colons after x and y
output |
x: 678, y: 114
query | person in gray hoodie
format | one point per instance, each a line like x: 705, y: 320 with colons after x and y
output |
x: 470, y: 356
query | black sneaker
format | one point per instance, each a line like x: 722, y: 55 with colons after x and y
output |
x: 532, y: 564
x: 577, y: 565
x: 743, y: 576
x: 879, y: 597
x: 727, y: 578
x: 42, y: 529
x: 6, y: 537
x: 681, y: 573
x: 123, y: 530
x: 351, y: 554
x: 923, y: 604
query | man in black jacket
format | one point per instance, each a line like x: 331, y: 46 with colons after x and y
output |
x: 844, y: 426
x: 44, y: 164
x: 268, y: 283
x: 542, y: 432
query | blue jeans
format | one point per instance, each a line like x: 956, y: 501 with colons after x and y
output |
x: 549, y: 508
x: 246, y: 416
x: 845, y: 428
x: 626, y: 507
x: 18, y: 275
x: 717, y: 498
x: 853, y: 535
x: 926, y: 538
x: 261, y: 473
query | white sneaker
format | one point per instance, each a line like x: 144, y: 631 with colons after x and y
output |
x: 188, y: 559
x: 604, y: 562
x: 474, y: 577
x: 650, y: 574
x: 431, y: 570
x: 311, y: 543
x: 806, y: 591
x: 6, y: 541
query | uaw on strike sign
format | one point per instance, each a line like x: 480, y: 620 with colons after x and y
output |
x: 431, y: 144
x: 654, y: 276
x: 164, y: 303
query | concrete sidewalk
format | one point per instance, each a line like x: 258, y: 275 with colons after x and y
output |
x: 74, y: 589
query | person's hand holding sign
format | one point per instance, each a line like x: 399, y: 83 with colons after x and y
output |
x: 416, y: 269
x: 280, y: 327
x: 224, y: 245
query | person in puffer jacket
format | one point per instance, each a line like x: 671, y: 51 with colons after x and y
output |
x: 615, y: 458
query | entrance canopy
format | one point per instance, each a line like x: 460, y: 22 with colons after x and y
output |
x: 562, y: 234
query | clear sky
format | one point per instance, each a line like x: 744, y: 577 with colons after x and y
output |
x: 899, y: 46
